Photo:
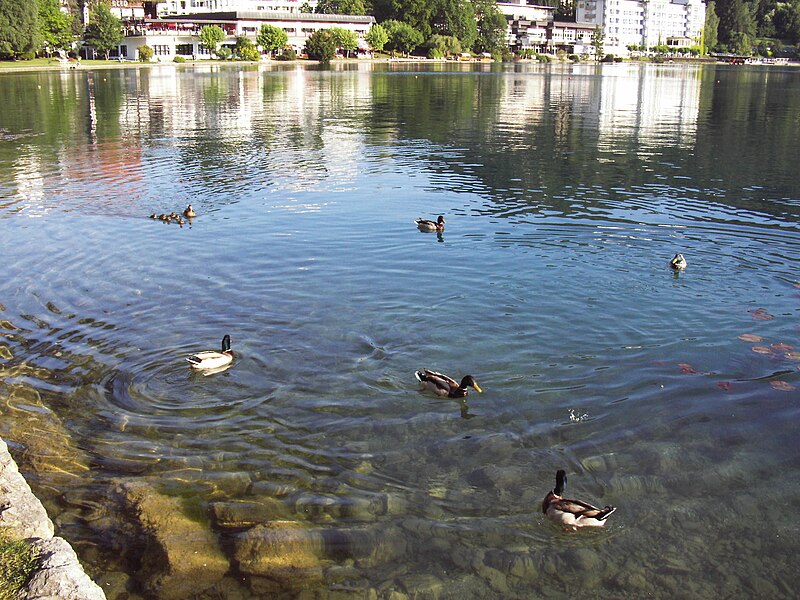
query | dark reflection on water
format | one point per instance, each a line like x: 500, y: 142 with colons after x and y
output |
x: 566, y: 189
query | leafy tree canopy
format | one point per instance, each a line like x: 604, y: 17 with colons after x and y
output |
x: 211, y: 36
x: 341, y: 7
x: 18, y: 28
x: 104, y: 31
x: 345, y: 39
x: 55, y: 26
x: 272, y: 38
x: 402, y: 37
x: 377, y: 37
x: 321, y: 46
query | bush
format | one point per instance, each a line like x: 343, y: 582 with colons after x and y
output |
x: 435, y: 53
x: 146, y: 53
x: 179, y: 59
x: 249, y: 53
x: 287, y: 54
x: 543, y: 58
x: 608, y: 58
x: 224, y: 53
x: 574, y: 57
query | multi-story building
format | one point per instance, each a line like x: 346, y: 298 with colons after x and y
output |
x: 188, y: 7
x: 645, y: 23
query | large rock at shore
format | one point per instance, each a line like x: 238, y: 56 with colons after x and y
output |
x: 60, y: 575
x: 182, y: 557
x: 20, y: 510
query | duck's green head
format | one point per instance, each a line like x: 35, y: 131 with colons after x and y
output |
x: 561, y: 482
x: 469, y: 381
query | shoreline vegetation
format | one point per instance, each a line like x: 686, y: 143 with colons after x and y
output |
x: 49, y: 64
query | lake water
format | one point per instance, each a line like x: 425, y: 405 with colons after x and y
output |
x: 566, y: 190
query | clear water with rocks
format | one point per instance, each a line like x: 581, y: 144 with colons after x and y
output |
x: 566, y: 190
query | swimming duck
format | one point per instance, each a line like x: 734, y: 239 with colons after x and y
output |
x: 211, y: 359
x: 678, y: 262
x: 444, y: 385
x: 189, y: 212
x: 573, y: 513
x: 427, y: 225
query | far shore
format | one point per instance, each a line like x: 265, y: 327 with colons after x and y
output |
x: 44, y: 64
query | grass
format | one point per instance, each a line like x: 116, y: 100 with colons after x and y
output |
x: 17, y: 562
x: 39, y: 63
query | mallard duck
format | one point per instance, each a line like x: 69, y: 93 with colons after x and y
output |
x: 444, y: 385
x: 573, y: 513
x: 678, y: 262
x: 427, y: 225
x: 189, y: 212
x: 211, y: 359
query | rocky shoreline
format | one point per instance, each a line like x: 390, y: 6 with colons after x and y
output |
x: 59, y: 574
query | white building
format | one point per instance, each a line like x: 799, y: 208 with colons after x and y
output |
x: 646, y: 23
x: 189, y: 7
x: 180, y: 35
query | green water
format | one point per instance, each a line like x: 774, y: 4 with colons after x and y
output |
x: 566, y: 190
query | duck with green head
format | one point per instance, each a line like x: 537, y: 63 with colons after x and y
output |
x: 442, y: 385
x: 428, y: 225
x: 572, y: 513
x: 211, y: 359
x: 678, y: 262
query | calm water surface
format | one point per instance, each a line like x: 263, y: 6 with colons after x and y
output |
x: 566, y: 190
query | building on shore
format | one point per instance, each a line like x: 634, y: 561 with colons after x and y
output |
x: 648, y: 23
x: 180, y: 35
x: 532, y: 27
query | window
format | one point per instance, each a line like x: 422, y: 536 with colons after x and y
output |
x: 184, y: 49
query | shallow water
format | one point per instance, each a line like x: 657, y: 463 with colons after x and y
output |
x: 566, y: 190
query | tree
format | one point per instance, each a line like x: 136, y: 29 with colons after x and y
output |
x: 492, y: 26
x: 272, y: 38
x: 104, y: 31
x: 18, y: 31
x: 55, y: 26
x: 711, y: 26
x: 345, y: 39
x: 402, y: 37
x: 736, y: 24
x: 211, y: 36
x: 443, y: 45
x: 597, y: 42
x: 245, y: 49
x: 341, y: 7
x: 305, y: 7
x: 787, y: 22
x: 321, y: 46
x: 377, y: 37
x: 145, y: 53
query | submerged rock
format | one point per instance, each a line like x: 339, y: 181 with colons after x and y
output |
x: 284, y: 552
x: 182, y: 557
x: 243, y: 515
x: 60, y: 575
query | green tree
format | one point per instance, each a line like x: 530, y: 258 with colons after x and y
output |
x: 211, y: 36
x: 104, y: 31
x: 787, y: 21
x: 245, y: 49
x: 305, y: 7
x: 341, y: 7
x: 55, y: 26
x: 272, y: 38
x: 321, y: 46
x: 443, y: 45
x: 711, y: 27
x: 457, y: 18
x: 377, y: 37
x: 736, y: 25
x: 146, y: 53
x: 402, y: 37
x: 597, y: 42
x: 492, y: 26
x: 18, y: 30
x: 345, y: 39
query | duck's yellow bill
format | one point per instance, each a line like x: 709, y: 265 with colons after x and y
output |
x: 478, y: 388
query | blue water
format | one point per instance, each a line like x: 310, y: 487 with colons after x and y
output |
x: 566, y: 190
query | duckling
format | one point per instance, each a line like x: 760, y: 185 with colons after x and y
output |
x: 443, y: 385
x: 211, y: 359
x: 427, y: 225
x: 678, y: 262
x: 154, y: 216
x: 189, y: 212
x: 163, y: 217
x: 573, y: 513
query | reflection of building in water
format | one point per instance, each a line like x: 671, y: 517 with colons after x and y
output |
x: 653, y: 105
x: 677, y: 23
